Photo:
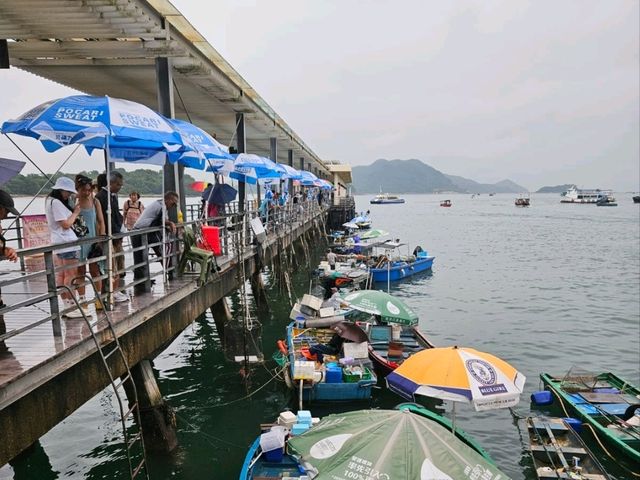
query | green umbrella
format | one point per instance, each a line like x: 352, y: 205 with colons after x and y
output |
x: 374, y: 233
x: 377, y: 302
x: 388, y: 445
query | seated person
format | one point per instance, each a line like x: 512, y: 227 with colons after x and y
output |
x: 332, y: 348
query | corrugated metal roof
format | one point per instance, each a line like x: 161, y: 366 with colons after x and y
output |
x: 108, y: 47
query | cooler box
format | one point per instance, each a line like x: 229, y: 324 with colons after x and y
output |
x: 333, y: 375
x: 211, y: 237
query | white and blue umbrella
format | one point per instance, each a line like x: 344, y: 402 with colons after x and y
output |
x: 250, y: 168
x: 308, y: 179
x: 97, y: 122
x: 206, y: 151
x: 289, y: 172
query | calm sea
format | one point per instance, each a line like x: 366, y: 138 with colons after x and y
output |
x: 546, y: 288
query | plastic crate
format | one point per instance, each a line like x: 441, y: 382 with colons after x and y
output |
x: 353, y: 377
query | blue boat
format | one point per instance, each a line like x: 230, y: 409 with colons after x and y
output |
x: 401, y: 268
x: 333, y: 381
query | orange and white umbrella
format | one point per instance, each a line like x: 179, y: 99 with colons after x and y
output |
x: 460, y: 375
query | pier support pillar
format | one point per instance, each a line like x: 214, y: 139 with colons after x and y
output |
x: 242, y: 148
x: 221, y: 315
x: 157, y: 417
x: 259, y: 291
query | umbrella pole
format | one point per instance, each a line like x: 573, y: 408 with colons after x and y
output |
x: 388, y: 273
x: 164, y: 235
x: 109, y: 224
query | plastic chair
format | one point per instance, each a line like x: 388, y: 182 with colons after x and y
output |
x: 192, y: 253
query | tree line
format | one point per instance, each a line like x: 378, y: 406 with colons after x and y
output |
x: 144, y: 181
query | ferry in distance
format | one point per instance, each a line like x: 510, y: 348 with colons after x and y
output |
x: 382, y: 198
x: 578, y: 195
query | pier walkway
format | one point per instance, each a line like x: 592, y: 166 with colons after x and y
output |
x: 50, y: 365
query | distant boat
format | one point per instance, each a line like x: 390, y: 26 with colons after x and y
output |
x: 582, y: 196
x: 523, y: 201
x: 445, y: 203
x: 383, y: 198
x: 636, y: 199
x: 491, y: 194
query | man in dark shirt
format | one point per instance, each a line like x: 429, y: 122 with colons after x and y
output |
x: 6, y: 253
x: 115, y: 184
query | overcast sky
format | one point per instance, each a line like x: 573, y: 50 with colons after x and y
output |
x: 540, y: 92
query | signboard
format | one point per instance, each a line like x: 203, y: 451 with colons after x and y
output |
x: 35, y: 233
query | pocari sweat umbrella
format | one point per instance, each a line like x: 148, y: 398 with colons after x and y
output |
x: 376, y: 302
x: 387, y: 445
x: 206, y: 151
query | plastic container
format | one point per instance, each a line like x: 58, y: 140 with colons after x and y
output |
x: 573, y: 423
x: 303, y: 370
x: 542, y: 397
x: 211, y: 237
x: 396, y: 332
x: 333, y: 374
x: 271, y: 440
x: 299, y: 428
x: 274, y: 456
x: 304, y: 416
x: 287, y: 419
x: 299, y: 321
x: 354, y: 376
x: 356, y: 350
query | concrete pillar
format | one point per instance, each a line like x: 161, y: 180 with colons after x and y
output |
x: 259, y: 291
x: 221, y: 315
x: 242, y: 148
x: 157, y: 417
x: 290, y: 162
x: 4, y: 54
x: 173, y: 174
x: 273, y: 144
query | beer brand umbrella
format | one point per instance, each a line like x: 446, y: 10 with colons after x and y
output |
x: 391, y: 309
x: 460, y: 375
x: 387, y: 445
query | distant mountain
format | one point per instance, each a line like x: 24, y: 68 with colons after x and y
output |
x: 401, y: 176
x: 415, y: 176
x: 555, y: 188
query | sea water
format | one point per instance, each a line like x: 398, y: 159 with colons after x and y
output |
x: 546, y: 288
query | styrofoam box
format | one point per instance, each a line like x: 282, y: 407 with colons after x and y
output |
x: 311, y: 301
x: 271, y: 440
x: 356, y: 350
x: 303, y: 370
x: 287, y: 419
x: 327, y: 312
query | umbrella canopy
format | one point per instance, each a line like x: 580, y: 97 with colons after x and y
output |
x: 373, y: 233
x: 9, y: 169
x: 459, y: 375
x: 351, y: 225
x: 385, y: 445
x: 89, y: 121
x: 350, y: 331
x: 376, y: 302
x: 249, y: 168
x: 205, y: 149
x: 222, y: 193
x: 289, y: 172
x: 198, y: 186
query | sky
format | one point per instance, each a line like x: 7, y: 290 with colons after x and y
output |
x: 540, y: 92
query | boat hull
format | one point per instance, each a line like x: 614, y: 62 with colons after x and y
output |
x: 385, y: 202
x: 411, y: 338
x: 601, y: 417
x: 401, y: 271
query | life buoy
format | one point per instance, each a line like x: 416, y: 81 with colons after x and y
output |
x: 282, y: 347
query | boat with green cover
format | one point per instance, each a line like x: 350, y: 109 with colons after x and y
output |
x: 607, y: 404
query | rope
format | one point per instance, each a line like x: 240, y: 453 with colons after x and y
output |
x: 595, y: 435
x: 196, y: 429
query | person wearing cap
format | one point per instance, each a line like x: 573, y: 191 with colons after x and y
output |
x: 60, y: 218
x: 6, y: 253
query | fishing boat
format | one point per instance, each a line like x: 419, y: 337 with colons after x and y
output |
x: 558, y: 451
x: 390, y: 345
x: 523, y: 201
x: 448, y: 451
x: 445, y: 203
x: 384, y: 198
x: 636, y: 199
x: 345, y: 373
x: 608, y: 201
x: 391, y: 266
x: 584, y: 196
x: 606, y: 404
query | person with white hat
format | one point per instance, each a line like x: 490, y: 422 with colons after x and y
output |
x: 60, y: 218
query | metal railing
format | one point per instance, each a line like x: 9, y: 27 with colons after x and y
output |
x: 34, y: 287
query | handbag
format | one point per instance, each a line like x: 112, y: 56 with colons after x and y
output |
x: 79, y: 227
x: 95, y: 251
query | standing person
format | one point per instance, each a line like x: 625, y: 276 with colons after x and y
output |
x: 132, y: 210
x: 152, y: 217
x: 115, y: 185
x: 6, y: 253
x: 60, y: 218
x: 331, y: 258
x: 204, y: 198
x: 91, y: 211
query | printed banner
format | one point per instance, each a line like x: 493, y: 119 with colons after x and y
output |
x: 35, y: 233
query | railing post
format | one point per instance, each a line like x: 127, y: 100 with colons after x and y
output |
x: 20, y: 244
x: 50, y: 268
x: 145, y: 259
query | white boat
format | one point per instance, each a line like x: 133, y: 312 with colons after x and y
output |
x: 579, y: 195
x: 382, y: 198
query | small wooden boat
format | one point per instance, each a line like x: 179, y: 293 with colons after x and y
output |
x: 636, y: 199
x: 605, y: 403
x: 342, y: 376
x: 445, y: 203
x: 558, y: 451
x: 523, y: 201
x: 390, y: 345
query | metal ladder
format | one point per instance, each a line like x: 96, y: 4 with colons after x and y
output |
x: 134, y: 441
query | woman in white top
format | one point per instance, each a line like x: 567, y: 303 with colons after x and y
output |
x: 60, y: 218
